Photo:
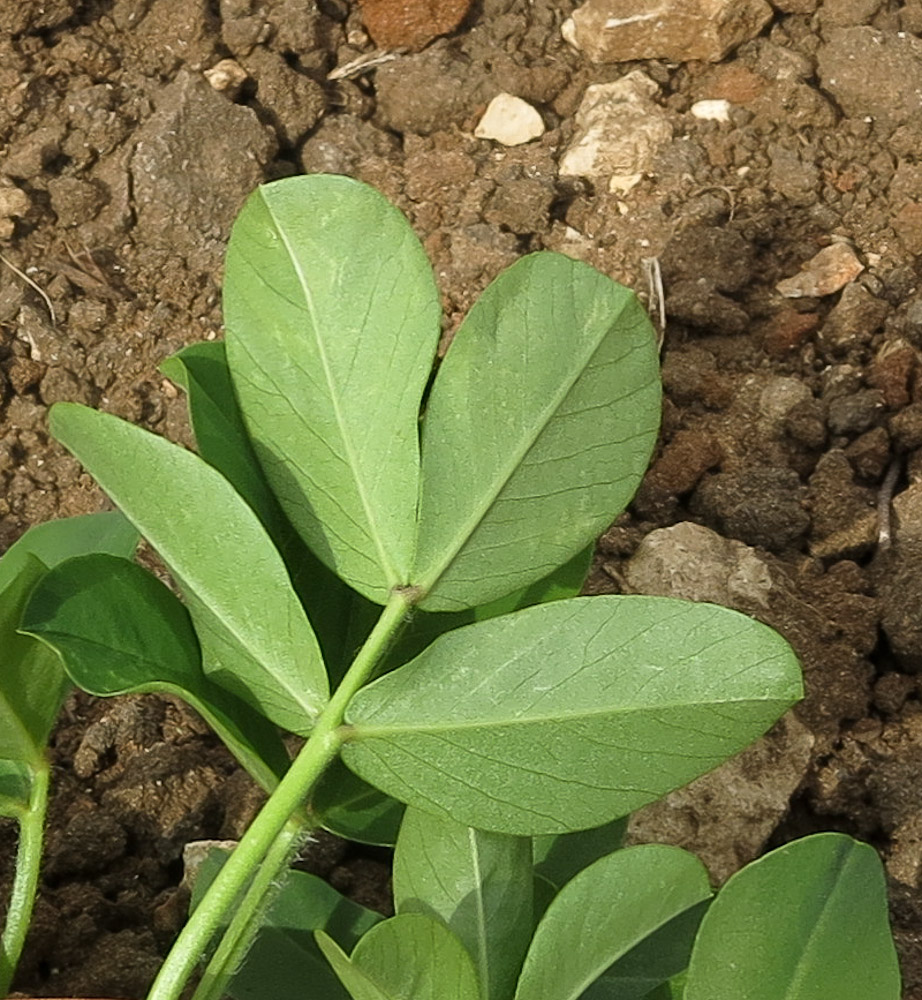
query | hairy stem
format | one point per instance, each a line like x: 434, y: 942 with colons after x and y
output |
x: 245, y: 924
x: 283, y: 805
x: 25, y: 880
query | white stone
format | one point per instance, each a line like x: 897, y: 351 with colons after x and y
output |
x: 678, y: 30
x: 712, y: 110
x: 620, y: 131
x: 510, y: 120
x: 827, y: 272
x: 227, y: 77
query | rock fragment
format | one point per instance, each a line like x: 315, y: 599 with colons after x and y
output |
x: 620, y: 130
x: 678, y: 30
x: 510, y: 121
x: 892, y: 91
x: 826, y: 272
x: 411, y: 24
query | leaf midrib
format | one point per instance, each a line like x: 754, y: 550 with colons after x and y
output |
x: 372, y: 731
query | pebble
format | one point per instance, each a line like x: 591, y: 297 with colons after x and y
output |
x: 395, y: 24
x: 510, y: 121
x: 826, y: 272
x: 620, y: 130
x: 227, y: 77
x: 712, y: 110
x: 676, y: 30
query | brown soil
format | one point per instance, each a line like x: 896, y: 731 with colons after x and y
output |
x: 782, y: 416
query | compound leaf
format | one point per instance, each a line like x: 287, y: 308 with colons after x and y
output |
x: 807, y: 920
x: 255, y: 637
x: 603, y: 913
x: 118, y: 629
x: 537, y: 432
x: 478, y: 883
x: 567, y: 715
x: 332, y: 319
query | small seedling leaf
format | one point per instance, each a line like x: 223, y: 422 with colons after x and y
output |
x: 411, y: 955
x: 118, y: 630
x: 538, y: 430
x: 807, y: 920
x: 32, y: 682
x: 567, y: 715
x: 608, y: 909
x: 332, y: 319
x: 478, y: 884
x: 255, y: 637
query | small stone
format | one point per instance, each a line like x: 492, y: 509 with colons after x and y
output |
x: 227, y: 77
x: 510, y: 120
x: 787, y: 330
x: 14, y: 202
x: 891, y: 372
x: 870, y: 454
x: 620, y: 131
x: 853, y: 321
x: 806, y: 423
x: 714, y: 110
x: 683, y: 462
x: 412, y: 24
x: 29, y: 156
x: 759, y: 506
x: 856, y: 412
x: 908, y: 226
x: 676, y: 30
x: 906, y: 427
x: 828, y: 271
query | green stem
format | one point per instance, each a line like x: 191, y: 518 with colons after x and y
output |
x: 245, y: 924
x: 25, y: 881
x: 294, y: 788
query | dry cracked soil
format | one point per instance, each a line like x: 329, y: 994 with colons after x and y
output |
x: 793, y: 397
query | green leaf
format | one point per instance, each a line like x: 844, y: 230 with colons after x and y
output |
x: 564, y: 716
x: 201, y: 369
x: 603, y: 913
x: 55, y: 541
x: 332, y: 319
x: 409, y: 957
x: 337, y: 613
x: 32, y: 683
x: 643, y: 973
x: 351, y: 808
x: 538, y: 430
x: 255, y: 638
x: 558, y: 858
x: 806, y: 920
x: 478, y: 884
x: 118, y: 630
x: 565, y: 581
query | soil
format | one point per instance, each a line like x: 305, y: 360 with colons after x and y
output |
x: 785, y: 418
